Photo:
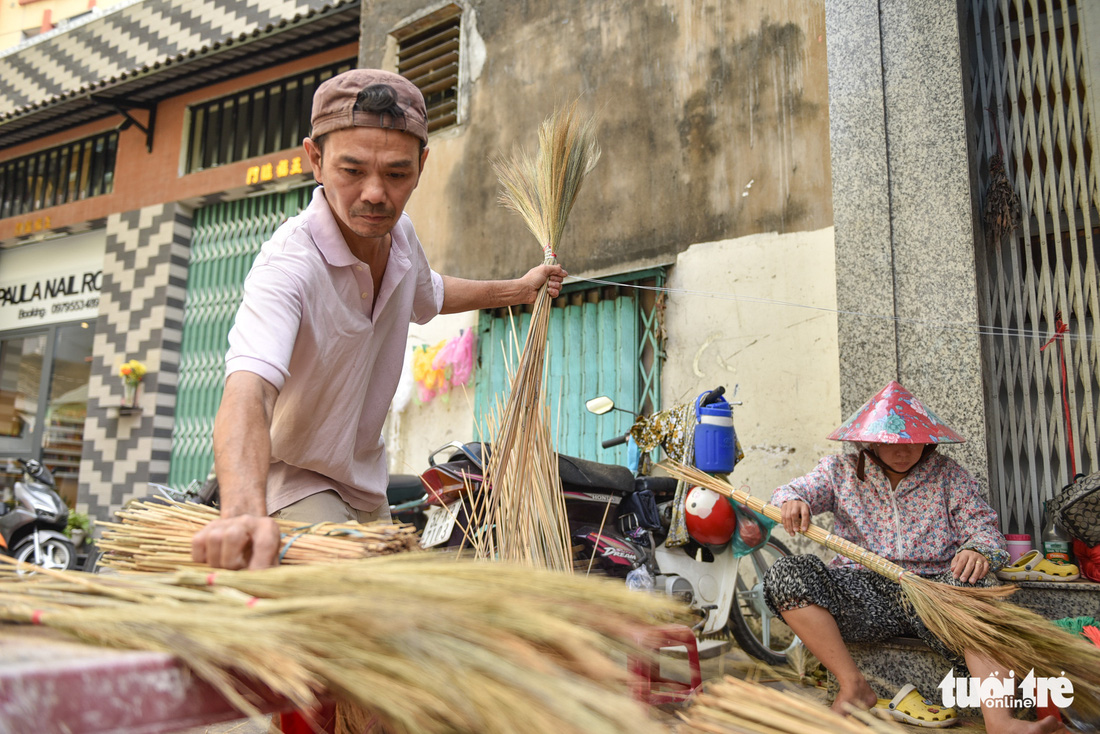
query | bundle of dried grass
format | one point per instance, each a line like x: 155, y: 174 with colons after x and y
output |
x: 525, y: 508
x: 732, y: 706
x: 425, y: 645
x: 154, y: 537
x: 1002, y: 205
x: 963, y: 618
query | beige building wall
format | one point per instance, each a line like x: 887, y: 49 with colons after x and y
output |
x: 726, y: 326
x: 414, y: 429
x: 713, y: 120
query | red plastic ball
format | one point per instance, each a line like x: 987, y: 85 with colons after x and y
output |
x: 709, y: 516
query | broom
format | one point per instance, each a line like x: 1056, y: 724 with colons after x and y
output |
x: 733, y: 706
x: 525, y: 506
x: 424, y: 644
x: 963, y: 618
x: 155, y: 537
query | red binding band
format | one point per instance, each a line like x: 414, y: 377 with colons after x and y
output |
x: 210, y: 579
x: 1060, y: 328
x: 36, y: 616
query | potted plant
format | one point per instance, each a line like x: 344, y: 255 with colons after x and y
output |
x: 79, y: 527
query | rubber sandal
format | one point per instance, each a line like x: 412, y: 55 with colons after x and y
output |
x: 1033, y: 567
x: 909, y: 707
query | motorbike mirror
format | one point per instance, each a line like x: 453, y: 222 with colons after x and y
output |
x: 600, y: 405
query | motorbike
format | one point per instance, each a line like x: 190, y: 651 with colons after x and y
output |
x: 619, y: 524
x: 408, y: 500
x: 32, y: 523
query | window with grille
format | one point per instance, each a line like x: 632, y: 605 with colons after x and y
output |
x: 427, y: 55
x: 257, y: 121
x: 604, y: 340
x: 58, y: 175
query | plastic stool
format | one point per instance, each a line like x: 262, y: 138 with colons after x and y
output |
x: 295, y: 722
x: 649, y: 687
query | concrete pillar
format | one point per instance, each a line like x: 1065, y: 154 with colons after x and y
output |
x: 902, y: 207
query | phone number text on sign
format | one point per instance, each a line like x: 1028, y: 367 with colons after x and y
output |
x: 78, y: 305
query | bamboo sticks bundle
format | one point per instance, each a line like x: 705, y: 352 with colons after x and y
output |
x: 523, y: 513
x: 154, y: 537
x: 733, y: 706
x: 423, y: 644
x: 962, y: 617
x: 525, y: 507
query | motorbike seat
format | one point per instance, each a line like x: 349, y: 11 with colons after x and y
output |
x: 575, y: 472
x: 662, y: 487
x: 404, y: 488
x: 594, y: 475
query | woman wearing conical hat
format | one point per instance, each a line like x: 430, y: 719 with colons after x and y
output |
x: 896, y: 496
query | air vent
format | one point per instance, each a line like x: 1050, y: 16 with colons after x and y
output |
x: 427, y: 55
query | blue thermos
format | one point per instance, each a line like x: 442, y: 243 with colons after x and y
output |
x: 715, y: 441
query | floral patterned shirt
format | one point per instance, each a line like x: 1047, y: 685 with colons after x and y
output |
x: 936, y: 511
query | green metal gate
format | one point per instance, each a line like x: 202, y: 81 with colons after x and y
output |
x: 225, y: 241
x: 604, y: 340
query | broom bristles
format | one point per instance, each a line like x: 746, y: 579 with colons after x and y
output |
x: 425, y: 644
x: 525, y: 506
x: 733, y: 706
x: 964, y: 618
x: 542, y: 189
x: 154, y: 537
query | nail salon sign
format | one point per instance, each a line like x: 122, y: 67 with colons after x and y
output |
x: 50, y: 282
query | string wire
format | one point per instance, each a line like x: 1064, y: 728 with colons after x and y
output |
x: 955, y: 326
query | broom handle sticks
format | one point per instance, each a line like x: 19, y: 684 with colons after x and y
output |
x: 815, y: 533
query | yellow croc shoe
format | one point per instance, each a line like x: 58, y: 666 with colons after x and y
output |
x: 909, y: 707
x: 1033, y: 567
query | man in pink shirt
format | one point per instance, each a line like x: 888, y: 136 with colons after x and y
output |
x: 318, y: 343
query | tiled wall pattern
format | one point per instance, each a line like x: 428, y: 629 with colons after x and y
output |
x: 117, y: 41
x: 141, y: 317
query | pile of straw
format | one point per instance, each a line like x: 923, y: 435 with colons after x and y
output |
x: 733, y: 706
x: 154, y: 537
x: 423, y: 644
x: 962, y: 617
x: 525, y: 509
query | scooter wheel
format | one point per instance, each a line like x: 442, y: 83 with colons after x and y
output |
x: 54, y: 553
x: 759, y: 632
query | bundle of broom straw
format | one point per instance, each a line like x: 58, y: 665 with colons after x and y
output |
x: 422, y: 644
x: 525, y: 508
x: 964, y: 618
x: 154, y: 537
x: 733, y: 706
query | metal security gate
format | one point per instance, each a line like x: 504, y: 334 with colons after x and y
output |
x: 227, y: 237
x: 1032, y: 98
x: 604, y: 340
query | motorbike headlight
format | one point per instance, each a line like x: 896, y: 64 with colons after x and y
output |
x: 45, y: 507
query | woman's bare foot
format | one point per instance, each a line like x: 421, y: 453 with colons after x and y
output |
x: 1048, y: 725
x: 857, y: 694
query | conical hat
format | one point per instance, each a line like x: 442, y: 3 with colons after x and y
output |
x: 895, y: 416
